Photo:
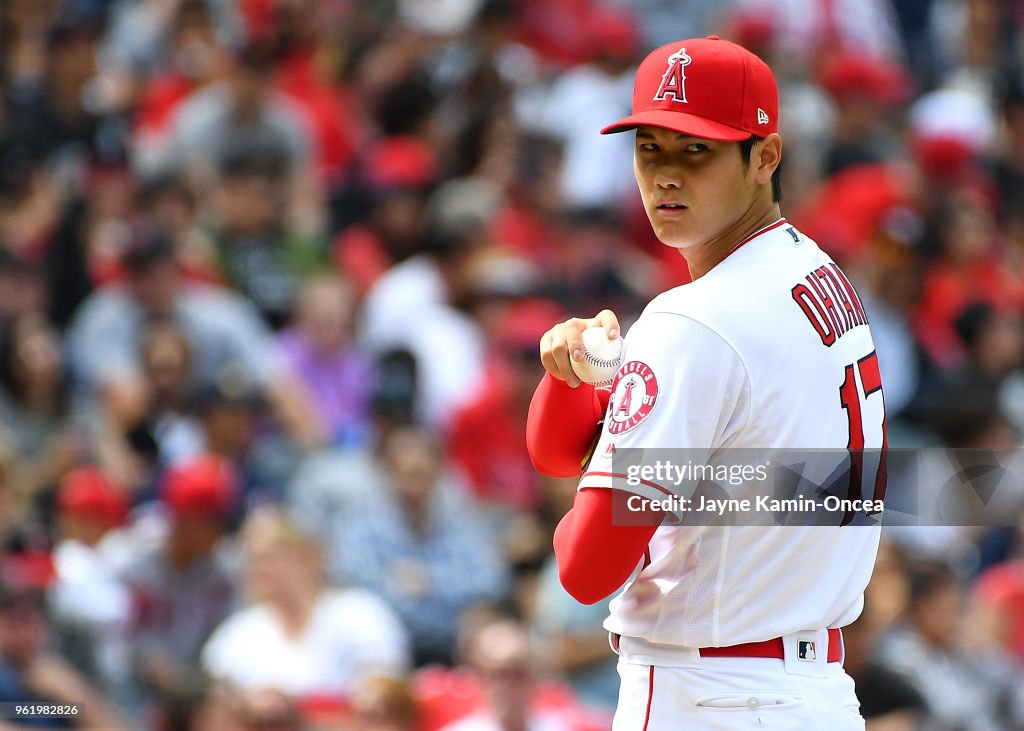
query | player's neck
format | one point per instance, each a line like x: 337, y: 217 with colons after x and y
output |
x: 705, y: 257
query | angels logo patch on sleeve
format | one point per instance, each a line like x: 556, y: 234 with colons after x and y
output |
x: 634, y: 393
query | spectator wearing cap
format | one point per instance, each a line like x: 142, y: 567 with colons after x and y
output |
x: 595, y: 168
x: 259, y: 254
x: 864, y: 91
x: 487, y: 436
x: 395, y: 180
x: 948, y: 134
x: 802, y: 32
x: 180, y: 587
x: 319, y: 349
x: 298, y: 636
x: 87, y: 598
x: 222, y: 327
x: 30, y: 672
x: 408, y: 545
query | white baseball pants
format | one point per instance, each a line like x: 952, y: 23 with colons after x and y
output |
x: 674, y: 688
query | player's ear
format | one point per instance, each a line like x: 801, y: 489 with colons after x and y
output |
x: 769, y: 155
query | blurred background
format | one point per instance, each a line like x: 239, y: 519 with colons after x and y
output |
x: 272, y: 279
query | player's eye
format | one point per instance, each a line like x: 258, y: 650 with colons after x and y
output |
x: 648, y: 147
x: 697, y: 147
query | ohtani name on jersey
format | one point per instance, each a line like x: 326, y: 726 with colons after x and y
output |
x: 830, y: 303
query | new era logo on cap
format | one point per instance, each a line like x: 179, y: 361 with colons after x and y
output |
x: 704, y: 87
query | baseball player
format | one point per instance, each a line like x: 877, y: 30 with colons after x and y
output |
x: 768, y: 347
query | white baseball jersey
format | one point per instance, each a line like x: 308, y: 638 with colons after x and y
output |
x: 770, y: 349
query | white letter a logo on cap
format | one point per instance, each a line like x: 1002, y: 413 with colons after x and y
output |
x: 673, y: 83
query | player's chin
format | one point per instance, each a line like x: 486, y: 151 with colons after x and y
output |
x: 674, y: 237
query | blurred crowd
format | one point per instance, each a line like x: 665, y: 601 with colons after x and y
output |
x: 272, y: 279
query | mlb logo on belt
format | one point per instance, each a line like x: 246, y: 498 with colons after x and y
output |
x: 806, y: 651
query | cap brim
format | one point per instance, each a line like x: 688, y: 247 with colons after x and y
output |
x: 687, y: 124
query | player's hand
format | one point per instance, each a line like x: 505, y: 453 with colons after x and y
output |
x: 565, y: 341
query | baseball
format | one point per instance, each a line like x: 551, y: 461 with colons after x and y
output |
x: 601, y: 357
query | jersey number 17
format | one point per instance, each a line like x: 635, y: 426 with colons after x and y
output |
x: 856, y: 404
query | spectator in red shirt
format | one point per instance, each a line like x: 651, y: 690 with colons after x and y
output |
x: 514, y: 695
x: 487, y: 438
x: 969, y: 268
x: 999, y: 606
x: 195, y: 59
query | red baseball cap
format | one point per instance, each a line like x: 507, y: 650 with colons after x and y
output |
x: 527, y: 320
x: 849, y: 75
x: 612, y: 32
x: 705, y: 87
x: 401, y: 162
x: 87, y: 492
x: 204, y: 487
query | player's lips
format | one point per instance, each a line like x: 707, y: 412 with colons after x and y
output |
x: 670, y: 209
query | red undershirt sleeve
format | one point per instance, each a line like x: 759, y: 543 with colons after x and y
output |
x: 673, y: 368
x: 594, y: 556
x: 562, y: 425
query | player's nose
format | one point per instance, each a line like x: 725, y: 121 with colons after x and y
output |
x: 668, y: 177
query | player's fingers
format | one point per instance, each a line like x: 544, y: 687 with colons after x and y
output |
x: 610, y: 323
x: 562, y: 368
x: 552, y: 345
x: 546, y: 359
x: 573, y: 333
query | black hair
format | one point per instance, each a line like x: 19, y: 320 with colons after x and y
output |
x: 191, y: 12
x: 972, y: 322
x: 406, y: 105
x: 926, y: 578
x: 257, y: 155
x: 394, y: 387
x: 10, y: 337
x: 746, y: 147
x: 148, y: 244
